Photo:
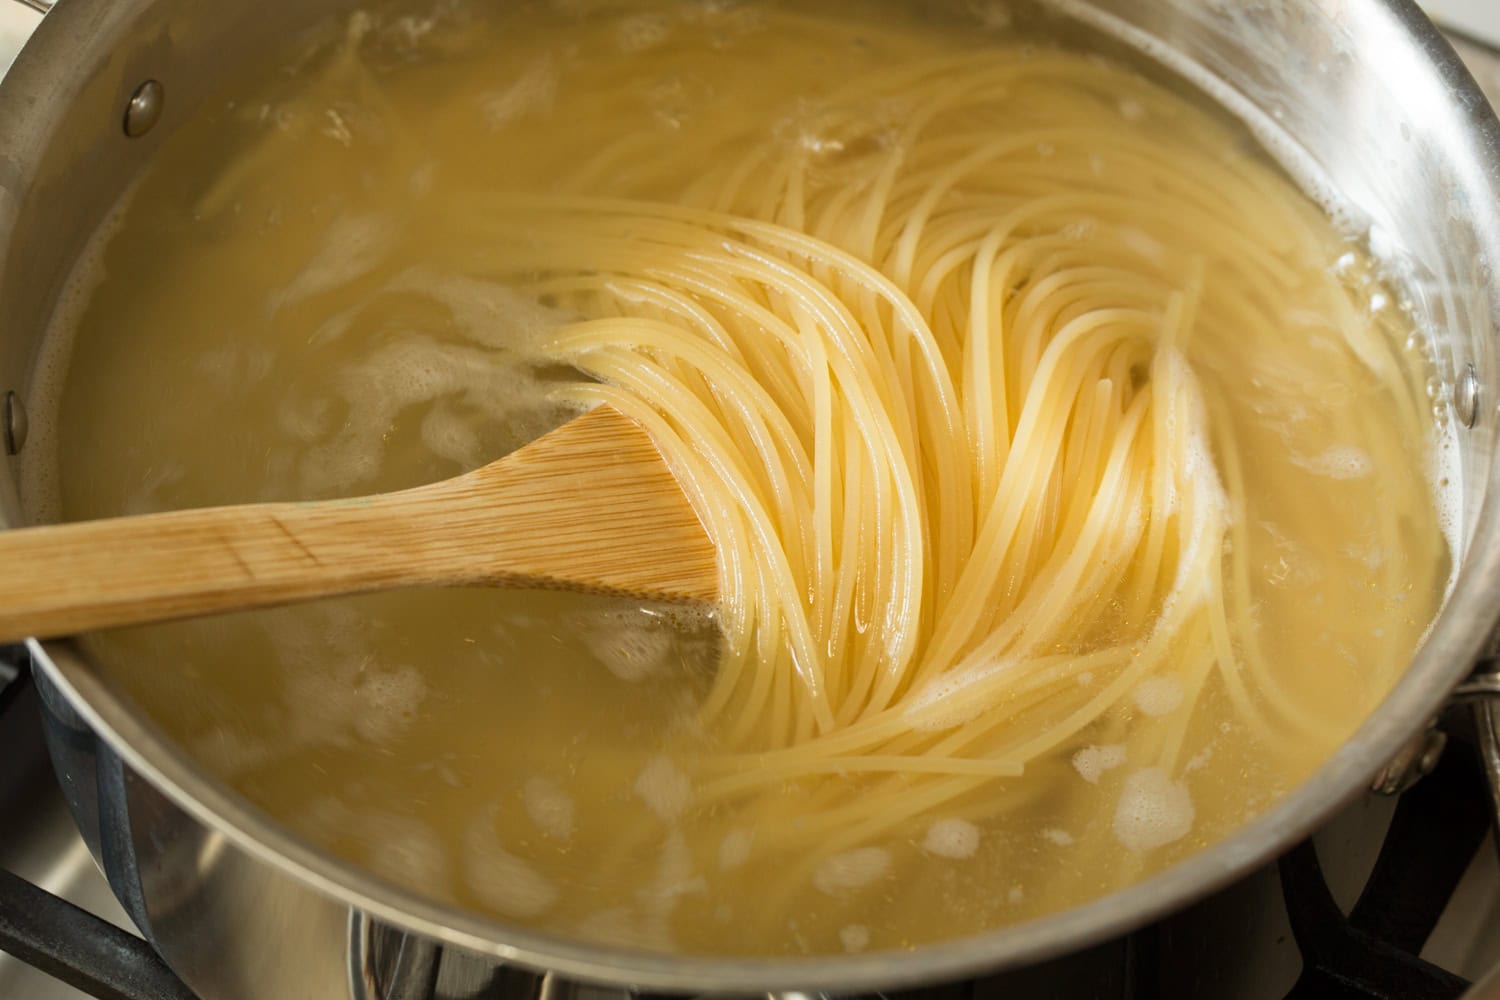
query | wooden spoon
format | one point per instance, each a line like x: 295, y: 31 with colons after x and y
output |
x: 591, y: 506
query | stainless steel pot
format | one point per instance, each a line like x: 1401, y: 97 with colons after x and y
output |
x: 1361, y: 98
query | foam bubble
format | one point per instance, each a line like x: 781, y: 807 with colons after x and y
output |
x: 852, y: 870
x: 411, y: 371
x: 952, y: 838
x: 945, y: 703
x: 674, y: 878
x: 734, y: 849
x: 549, y: 806
x: 405, y: 849
x: 1153, y: 810
x: 1445, y: 476
x: 352, y: 247
x: 1092, y: 761
x: 632, y: 652
x: 500, y: 879
x: 1015, y: 896
x: 387, y: 702
x: 1337, y: 462
x: 855, y: 938
x: 1158, y: 696
x: 532, y: 93
x: 1062, y: 838
x: 664, y: 788
x: 451, y: 435
x: 641, y: 32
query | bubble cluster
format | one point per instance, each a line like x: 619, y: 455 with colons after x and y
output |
x: 852, y: 870
x: 501, y: 880
x: 1153, y: 810
x: 1092, y: 761
x: 1157, y: 696
x: 734, y: 849
x: 1337, y: 462
x: 855, y: 938
x: 664, y: 788
x: 952, y: 838
x: 549, y: 806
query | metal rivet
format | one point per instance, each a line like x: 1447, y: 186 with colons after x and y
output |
x: 144, y: 109
x: 1466, y: 396
x: 16, y: 424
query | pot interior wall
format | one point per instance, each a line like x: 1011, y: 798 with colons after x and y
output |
x: 1343, y: 94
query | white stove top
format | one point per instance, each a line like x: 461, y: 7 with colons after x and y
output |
x: 1479, y: 19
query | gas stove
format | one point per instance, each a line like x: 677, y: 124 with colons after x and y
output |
x: 1398, y: 896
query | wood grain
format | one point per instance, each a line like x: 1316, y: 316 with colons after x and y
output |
x: 591, y: 506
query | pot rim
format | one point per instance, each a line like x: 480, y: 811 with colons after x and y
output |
x: 1455, y: 640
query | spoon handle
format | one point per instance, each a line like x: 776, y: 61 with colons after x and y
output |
x: 70, y: 578
x: 590, y: 506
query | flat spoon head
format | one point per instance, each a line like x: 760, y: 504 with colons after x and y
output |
x: 591, y: 506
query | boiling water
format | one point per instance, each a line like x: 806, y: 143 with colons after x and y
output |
x: 271, y: 316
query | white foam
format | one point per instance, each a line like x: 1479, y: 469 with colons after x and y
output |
x: 1158, y: 696
x: 641, y: 32
x: 405, y: 850
x: 1092, y: 761
x: 633, y: 652
x: 500, y: 879
x: 549, y: 806
x: 664, y: 788
x: 1153, y: 810
x: 855, y: 938
x: 451, y: 435
x: 406, y: 373
x: 533, y: 93
x: 352, y: 247
x: 852, y: 870
x: 942, y: 703
x: 1337, y: 462
x: 734, y: 849
x: 674, y: 879
x: 1061, y: 838
x: 1446, y: 476
x: 952, y: 838
x: 387, y: 702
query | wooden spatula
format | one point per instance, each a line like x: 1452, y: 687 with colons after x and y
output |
x: 591, y: 506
